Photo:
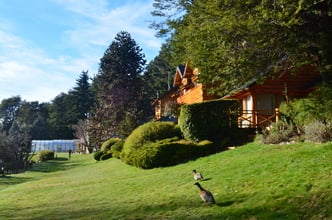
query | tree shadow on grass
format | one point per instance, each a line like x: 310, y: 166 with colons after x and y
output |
x: 57, y: 164
x: 12, y: 180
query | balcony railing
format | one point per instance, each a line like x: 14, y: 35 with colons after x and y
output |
x: 257, y: 118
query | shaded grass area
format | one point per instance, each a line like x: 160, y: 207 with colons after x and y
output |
x: 251, y: 182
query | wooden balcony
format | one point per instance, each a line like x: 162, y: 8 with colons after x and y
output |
x: 257, y: 118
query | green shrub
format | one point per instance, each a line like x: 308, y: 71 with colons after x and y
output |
x: 106, y: 155
x: 208, y: 120
x: 117, y: 148
x: 150, y: 132
x: 98, y: 155
x: 318, y: 131
x: 316, y: 107
x: 168, y: 152
x: 105, y: 150
x: 108, y: 144
x: 44, y: 155
x: 278, y: 132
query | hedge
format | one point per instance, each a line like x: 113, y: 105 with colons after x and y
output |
x: 209, y: 120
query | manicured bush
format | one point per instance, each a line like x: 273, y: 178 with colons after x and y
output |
x: 117, y: 148
x: 44, y: 155
x: 208, y: 120
x: 106, y: 155
x: 98, y: 154
x: 108, y: 144
x: 150, y: 132
x: 318, y: 132
x: 105, y: 150
x: 168, y: 152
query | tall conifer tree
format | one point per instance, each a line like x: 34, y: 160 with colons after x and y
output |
x: 118, y: 88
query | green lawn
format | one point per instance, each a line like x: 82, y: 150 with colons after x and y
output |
x: 251, y: 182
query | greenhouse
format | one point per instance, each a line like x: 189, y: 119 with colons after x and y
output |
x: 55, y: 145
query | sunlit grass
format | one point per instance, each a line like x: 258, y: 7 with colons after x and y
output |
x: 251, y: 182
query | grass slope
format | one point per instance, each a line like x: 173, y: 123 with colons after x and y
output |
x: 250, y: 182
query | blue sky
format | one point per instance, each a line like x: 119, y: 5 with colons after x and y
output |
x: 45, y: 44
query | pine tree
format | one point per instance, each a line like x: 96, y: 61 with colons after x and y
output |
x: 118, y: 87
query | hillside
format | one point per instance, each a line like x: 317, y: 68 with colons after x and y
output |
x: 251, y: 182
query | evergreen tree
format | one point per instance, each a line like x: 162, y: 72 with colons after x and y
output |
x: 118, y: 87
x: 67, y: 109
x: 158, y: 78
x: 8, y: 112
x: 62, y: 115
x: 83, y: 95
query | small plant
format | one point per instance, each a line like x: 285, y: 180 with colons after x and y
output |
x: 279, y: 132
x: 318, y: 132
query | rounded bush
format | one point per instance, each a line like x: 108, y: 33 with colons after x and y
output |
x: 108, y: 144
x: 150, y: 132
x: 45, y: 155
x: 167, y: 152
x: 106, y: 156
x: 117, y: 148
x: 105, y: 150
x: 98, y: 155
x: 318, y: 132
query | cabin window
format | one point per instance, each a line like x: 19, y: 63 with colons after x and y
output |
x: 265, y: 103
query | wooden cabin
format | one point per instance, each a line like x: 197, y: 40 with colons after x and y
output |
x: 186, y: 90
x: 260, y: 101
x: 190, y: 89
x: 160, y: 104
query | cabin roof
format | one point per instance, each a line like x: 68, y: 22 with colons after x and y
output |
x: 301, y: 83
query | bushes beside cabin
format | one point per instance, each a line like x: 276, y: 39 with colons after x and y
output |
x: 204, y: 128
x: 308, y: 119
x: 208, y: 120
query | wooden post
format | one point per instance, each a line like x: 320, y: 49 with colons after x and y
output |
x: 277, y: 114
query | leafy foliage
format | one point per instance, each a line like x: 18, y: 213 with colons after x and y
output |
x: 97, y: 155
x: 117, y: 148
x: 208, y: 120
x: 318, y: 132
x: 316, y: 107
x: 15, y: 149
x: 278, y: 133
x: 105, y: 150
x: 157, y: 78
x: 8, y: 111
x: 44, y: 155
x: 150, y: 132
x: 109, y: 143
x: 19, y: 122
x: 307, y: 118
x: 235, y: 41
